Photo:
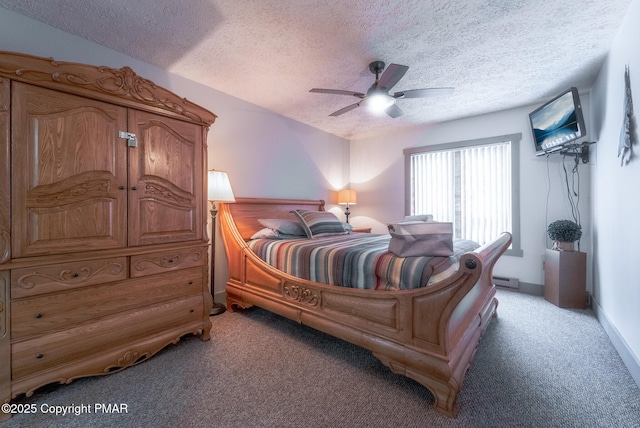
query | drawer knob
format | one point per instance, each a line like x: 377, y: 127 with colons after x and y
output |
x: 121, y: 187
x: 39, y: 356
x: 38, y: 315
x: 134, y: 188
x: 192, y: 310
x: 170, y: 260
x: 75, y: 275
x: 190, y: 282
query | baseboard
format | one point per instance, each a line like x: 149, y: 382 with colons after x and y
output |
x: 525, y: 287
x: 506, y: 282
x: 628, y: 357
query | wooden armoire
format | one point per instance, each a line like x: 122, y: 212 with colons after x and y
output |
x: 103, y: 242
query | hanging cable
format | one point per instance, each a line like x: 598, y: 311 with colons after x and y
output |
x: 573, y: 191
x: 546, y: 209
x: 576, y: 188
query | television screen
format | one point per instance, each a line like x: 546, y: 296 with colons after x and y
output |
x: 558, y: 122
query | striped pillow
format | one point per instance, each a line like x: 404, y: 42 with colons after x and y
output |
x: 320, y: 223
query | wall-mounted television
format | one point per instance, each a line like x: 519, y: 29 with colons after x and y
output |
x: 557, y: 123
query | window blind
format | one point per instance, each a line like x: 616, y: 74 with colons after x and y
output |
x: 468, y: 186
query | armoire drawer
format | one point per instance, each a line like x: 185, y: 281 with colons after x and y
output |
x: 152, y: 263
x: 36, y: 280
x: 87, y: 340
x: 39, y: 315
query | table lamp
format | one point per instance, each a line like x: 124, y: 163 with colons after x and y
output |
x: 347, y: 197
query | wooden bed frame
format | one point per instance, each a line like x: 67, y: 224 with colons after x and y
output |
x: 429, y: 334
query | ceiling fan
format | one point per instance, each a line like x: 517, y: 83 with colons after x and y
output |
x: 377, y: 97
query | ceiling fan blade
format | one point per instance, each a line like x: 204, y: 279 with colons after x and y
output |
x: 394, y: 111
x: 337, y: 92
x: 391, y: 76
x: 344, y: 110
x: 424, y: 93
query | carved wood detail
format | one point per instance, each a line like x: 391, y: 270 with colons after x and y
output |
x: 102, y: 364
x: 91, y: 189
x: 301, y: 294
x: 121, y: 83
x: 154, y: 189
x: 128, y: 359
x: 68, y: 277
x: 169, y: 261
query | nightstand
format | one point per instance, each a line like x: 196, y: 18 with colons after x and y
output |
x: 565, y: 278
x: 362, y: 229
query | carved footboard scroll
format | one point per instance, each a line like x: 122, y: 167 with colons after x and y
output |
x: 429, y: 334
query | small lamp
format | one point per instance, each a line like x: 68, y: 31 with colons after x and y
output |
x: 347, y: 197
x: 219, y: 191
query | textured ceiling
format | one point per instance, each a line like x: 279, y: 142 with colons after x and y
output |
x: 498, y: 54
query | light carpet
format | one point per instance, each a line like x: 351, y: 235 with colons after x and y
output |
x: 537, y: 366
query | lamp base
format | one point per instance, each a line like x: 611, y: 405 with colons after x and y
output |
x: 217, y: 309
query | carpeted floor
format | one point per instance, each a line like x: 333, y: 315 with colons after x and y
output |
x: 537, y: 366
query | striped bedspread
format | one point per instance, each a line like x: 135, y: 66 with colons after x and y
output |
x: 359, y: 260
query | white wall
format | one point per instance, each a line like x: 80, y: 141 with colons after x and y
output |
x: 377, y: 172
x: 616, y: 199
x: 265, y: 154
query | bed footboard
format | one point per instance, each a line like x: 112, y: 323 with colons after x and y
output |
x: 428, y: 334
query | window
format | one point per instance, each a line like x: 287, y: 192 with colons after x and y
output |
x: 473, y: 184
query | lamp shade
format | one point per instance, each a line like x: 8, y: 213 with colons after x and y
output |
x: 220, y: 187
x: 347, y: 197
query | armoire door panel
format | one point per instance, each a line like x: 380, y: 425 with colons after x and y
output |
x: 70, y: 166
x: 165, y: 180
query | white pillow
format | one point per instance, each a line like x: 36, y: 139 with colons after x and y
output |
x: 265, y: 233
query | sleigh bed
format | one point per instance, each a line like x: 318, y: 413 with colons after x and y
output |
x: 429, y: 333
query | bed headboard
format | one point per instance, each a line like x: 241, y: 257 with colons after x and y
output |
x: 247, y: 211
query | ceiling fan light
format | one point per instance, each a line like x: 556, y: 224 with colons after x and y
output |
x: 378, y: 103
